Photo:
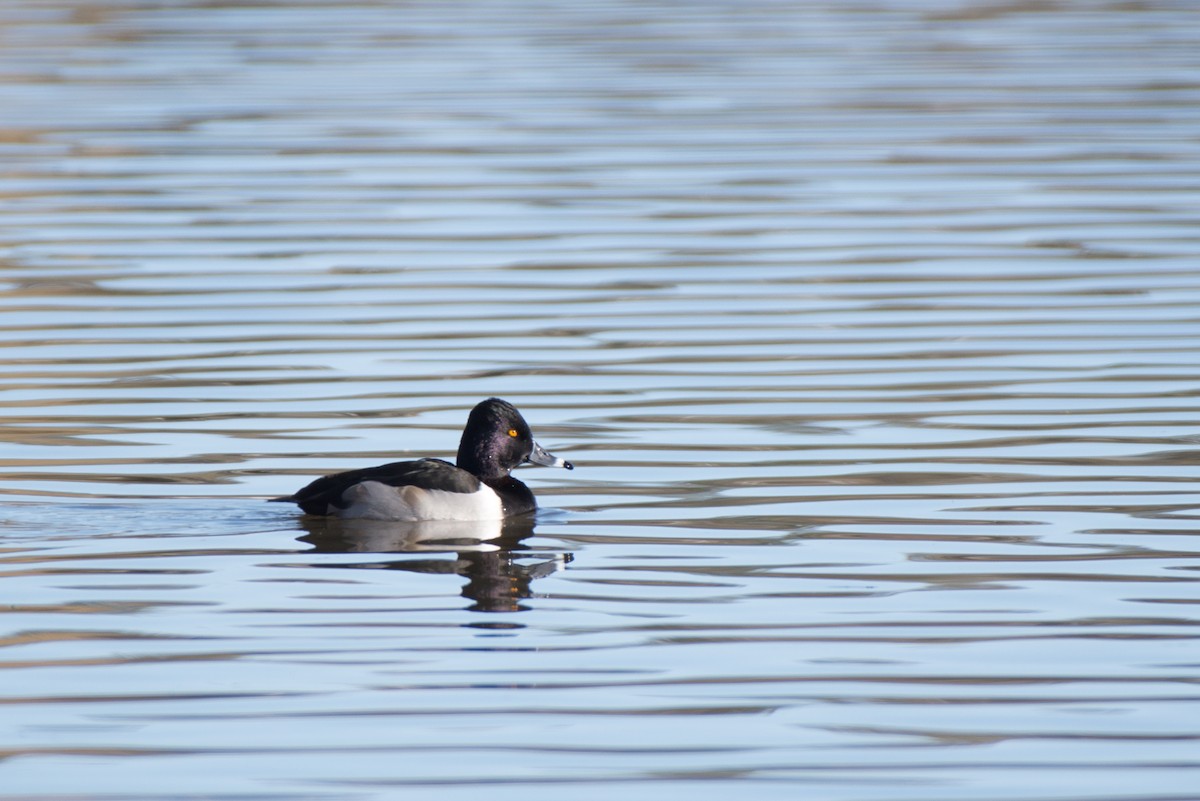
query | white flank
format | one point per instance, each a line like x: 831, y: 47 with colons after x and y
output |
x: 375, y: 501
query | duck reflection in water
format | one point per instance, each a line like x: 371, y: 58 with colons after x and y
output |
x: 486, y: 553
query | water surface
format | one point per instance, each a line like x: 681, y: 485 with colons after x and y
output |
x: 870, y: 326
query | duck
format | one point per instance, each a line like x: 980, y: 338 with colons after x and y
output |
x: 478, y: 486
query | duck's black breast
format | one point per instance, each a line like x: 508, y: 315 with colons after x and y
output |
x: 515, y: 497
x: 431, y: 474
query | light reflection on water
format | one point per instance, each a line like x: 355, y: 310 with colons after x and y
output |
x: 870, y: 327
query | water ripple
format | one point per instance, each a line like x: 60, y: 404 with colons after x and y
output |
x: 870, y: 327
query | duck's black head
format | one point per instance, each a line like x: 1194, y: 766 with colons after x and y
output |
x: 497, y: 439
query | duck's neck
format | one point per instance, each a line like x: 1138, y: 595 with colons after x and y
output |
x: 475, y: 462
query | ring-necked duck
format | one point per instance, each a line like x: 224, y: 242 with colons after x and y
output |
x: 495, y: 440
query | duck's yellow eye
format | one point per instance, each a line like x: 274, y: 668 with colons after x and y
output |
x: 512, y: 432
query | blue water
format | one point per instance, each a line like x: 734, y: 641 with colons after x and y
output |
x: 870, y: 327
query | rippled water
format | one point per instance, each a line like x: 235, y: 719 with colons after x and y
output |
x: 870, y: 326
